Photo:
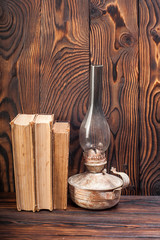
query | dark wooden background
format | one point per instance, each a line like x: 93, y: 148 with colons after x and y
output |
x: 46, y: 47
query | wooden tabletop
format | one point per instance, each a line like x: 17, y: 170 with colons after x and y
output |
x: 135, y: 217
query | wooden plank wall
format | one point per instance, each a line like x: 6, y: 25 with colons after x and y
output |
x: 19, y: 73
x: 45, y: 50
x: 114, y: 44
x: 149, y: 101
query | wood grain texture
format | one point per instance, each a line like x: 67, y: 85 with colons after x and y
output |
x: 149, y: 56
x: 114, y: 44
x: 44, y: 67
x: 64, y: 68
x: 133, y: 218
x: 19, y: 73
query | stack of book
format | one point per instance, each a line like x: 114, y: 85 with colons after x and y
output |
x: 40, y: 156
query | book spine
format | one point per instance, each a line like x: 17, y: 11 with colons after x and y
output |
x: 51, y: 165
x: 18, y: 202
x: 43, y: 166
x: 60, y: 169
x: 32, y: 147
x: 23, y: 159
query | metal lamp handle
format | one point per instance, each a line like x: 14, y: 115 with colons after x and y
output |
x: 123, y: 175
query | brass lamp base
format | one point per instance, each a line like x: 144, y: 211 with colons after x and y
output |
x: 97, y: 190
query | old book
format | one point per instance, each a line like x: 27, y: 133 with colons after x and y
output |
x: 23, y: 158
x: 61, y: 134
x: 43, y: 161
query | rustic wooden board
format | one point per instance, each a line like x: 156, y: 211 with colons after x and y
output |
x: 133, y: 218
x: 19, y: 73
x: 149, y: 105
x: 44, y: 67
x: 64, y: 67
x: 114, y: 44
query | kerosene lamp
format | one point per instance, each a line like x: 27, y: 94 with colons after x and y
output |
x: 95, y: 188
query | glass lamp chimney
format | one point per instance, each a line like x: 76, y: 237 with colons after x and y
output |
x: 94, y: 131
